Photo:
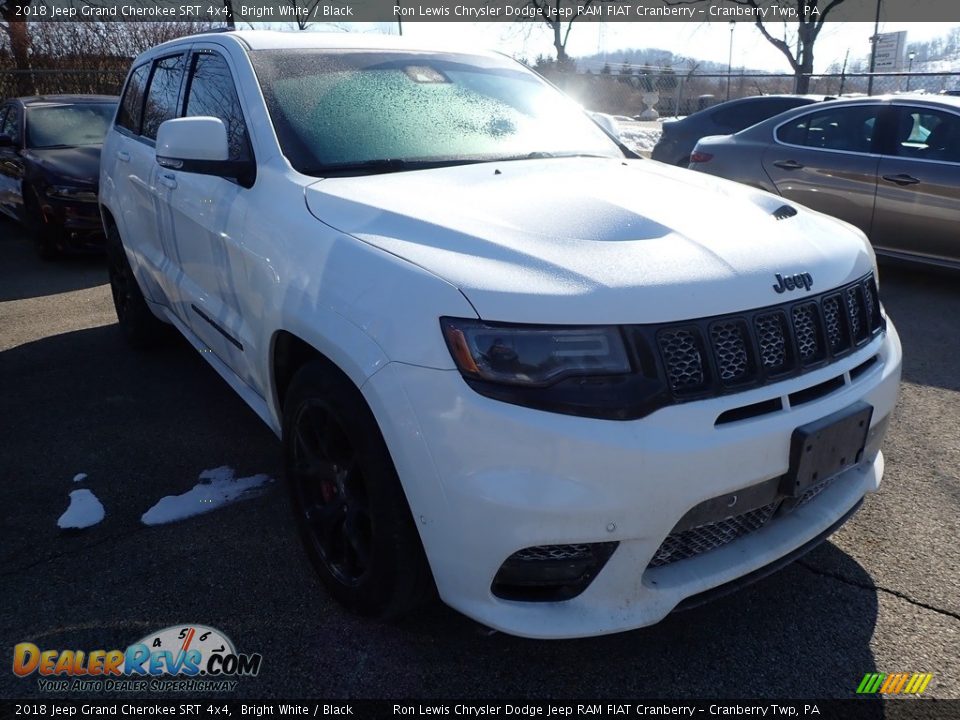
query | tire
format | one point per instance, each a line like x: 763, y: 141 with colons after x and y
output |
x: 46, y: 239
x: 350, y: 508
x: 140, y: 327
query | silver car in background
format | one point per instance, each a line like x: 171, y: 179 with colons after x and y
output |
x: 889, y: 165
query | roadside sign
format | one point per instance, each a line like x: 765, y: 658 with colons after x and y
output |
x: 889, y: 51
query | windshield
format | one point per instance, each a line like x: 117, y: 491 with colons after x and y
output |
x: 68, y: 125
x: 380, y: 111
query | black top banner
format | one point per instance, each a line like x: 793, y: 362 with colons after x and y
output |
x: 563, y: 11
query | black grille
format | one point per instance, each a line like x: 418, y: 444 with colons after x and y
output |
x: 857, y: 311
x: 684, y: 358
x: 836, y: 323
x: 808, y: 333
x: 772, y: 338
x: 729, y: 339
x: 720, y: 354
x: 871, y: 302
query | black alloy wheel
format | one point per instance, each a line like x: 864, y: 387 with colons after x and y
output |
x: 350, y: 507
x: 140, y: 327
x: 332, y: 496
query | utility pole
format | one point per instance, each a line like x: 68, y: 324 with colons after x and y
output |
x: 843, y: 73
x: 396, y: 7
x: 730, y: 58
x: 873, y: 51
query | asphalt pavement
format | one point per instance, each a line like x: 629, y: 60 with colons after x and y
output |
x: 883, y: 595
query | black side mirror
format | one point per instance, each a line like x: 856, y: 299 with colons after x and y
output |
x: 6, y: 141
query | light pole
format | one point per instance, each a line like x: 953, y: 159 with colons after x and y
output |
x: 873, y: 50
x: 730, y: 58
x: 910, y: 56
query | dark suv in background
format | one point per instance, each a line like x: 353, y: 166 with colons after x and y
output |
x: 50, y: 168
x: 680, y: 136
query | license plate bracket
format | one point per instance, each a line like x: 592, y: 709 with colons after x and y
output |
x: 826, y: 447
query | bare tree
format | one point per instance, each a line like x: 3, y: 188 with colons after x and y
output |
x: 798, y: 50
x: 92, y: 55
x: 14, y: 26
x: 559, y: 16
x: 304, y: 10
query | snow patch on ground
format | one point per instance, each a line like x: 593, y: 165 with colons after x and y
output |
x: 217, y: 487
x: 79, y: 477
x: 85, y: 511
x: 639, y: 136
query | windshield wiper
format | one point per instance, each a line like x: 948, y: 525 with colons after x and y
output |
x: 386, y: 165
x: 543, y: 154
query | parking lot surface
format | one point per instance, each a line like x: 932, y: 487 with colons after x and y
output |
x: 882, y: 595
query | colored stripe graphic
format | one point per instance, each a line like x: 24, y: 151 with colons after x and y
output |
x: 894, y: 684
x: 889, y: 682
x: 870, y: 683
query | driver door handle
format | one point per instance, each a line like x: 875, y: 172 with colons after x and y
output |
x: 123, y: 156
x: 788, y: 164
x: 168, y: 179
x: 901, y: 179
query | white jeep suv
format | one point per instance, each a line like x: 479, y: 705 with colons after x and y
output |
x: 569, y: 389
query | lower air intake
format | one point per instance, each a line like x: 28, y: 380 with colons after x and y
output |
x: 551, y: 573
x: 710, y: 536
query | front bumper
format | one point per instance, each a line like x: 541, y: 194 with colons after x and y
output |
x: 78, y: 225
x: 485, y: 479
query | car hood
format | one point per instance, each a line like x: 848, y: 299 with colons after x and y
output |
x: 78, y: 165
x: 584, y: 240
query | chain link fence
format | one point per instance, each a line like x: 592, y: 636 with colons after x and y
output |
x: 698, y: 91
x: 674, y: 93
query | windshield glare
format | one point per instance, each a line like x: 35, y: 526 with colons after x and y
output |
x: 69, y: 125
x: 345, y: 108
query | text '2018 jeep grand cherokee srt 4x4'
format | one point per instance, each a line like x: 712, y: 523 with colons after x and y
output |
x: 570, y: 389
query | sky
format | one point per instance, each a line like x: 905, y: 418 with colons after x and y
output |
x: 703, y: 41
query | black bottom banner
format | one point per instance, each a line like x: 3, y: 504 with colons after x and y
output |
x: 859, y: 709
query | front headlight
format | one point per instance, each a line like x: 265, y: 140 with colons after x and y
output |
x: 533, y: 356
x: 69, y: 192
x: 586, y: 371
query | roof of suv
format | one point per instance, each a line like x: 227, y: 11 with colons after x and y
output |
x: 65, y: 99
x: 275, y: 40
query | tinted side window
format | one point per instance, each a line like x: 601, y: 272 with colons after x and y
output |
x: 743, y: 116
x: 162, y: 94
x: 927, y: 134
x: 729, y: 117
x: 849, y: 129
x: 212, y: 93
x: 131, y: 106
x: 11, y: 124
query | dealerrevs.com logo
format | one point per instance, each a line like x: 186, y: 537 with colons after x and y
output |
x: 187, y: 658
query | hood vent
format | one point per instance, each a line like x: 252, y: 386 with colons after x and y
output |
x: 784, y: 211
